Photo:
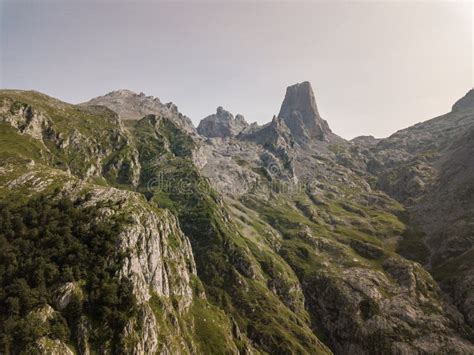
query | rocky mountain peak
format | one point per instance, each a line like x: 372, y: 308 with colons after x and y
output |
x: 222, y: 124
x: 300, y: 113
x: 121, y: 92
x: 129, y: 94
x: 132, y: 106
x: 240, y: 118
x: 466, y: 102
x: 223, y: 114
x: 299, y: 97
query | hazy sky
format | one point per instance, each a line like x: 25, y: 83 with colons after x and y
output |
x: 375, y: 66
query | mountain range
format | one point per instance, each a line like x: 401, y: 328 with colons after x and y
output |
x: 125, y: 229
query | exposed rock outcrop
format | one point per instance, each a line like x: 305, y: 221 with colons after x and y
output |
x: 65, y: 293
x: 363, y: 312
x: 222, y: 124
x: 465, y: 103
x: 24, y: 118
x: 300, y: 113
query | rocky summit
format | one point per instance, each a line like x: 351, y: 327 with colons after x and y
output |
x: 222, y: 124
x: 125, y: 230
x: 300, y: 113
x: 132, y: 106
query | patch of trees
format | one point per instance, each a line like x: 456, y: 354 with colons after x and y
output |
x: 45, y: 243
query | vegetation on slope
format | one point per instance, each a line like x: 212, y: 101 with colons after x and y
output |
x: 230, y: 272
x: 44, y: 244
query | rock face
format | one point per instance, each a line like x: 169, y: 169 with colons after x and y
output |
x: 300, y: 113
x: 465, y: 103
x: 25, y: 119
x: 149, y: 239
x: 222, y: 124
x: 371, y: 311
x: 65, y: 293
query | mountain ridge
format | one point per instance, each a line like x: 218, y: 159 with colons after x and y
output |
x: 270, y: 243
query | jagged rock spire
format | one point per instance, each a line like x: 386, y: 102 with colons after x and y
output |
x: 300, y: 113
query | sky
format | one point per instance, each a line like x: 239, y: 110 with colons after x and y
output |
x: 375, y: 66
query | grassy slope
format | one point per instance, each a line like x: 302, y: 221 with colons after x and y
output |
x: 232, y: 274
x: 90, y: 131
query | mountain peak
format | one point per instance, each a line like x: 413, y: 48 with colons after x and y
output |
x: 223, y: 114
x: 132, y: 106
x: 299, y: 97
x: 129, y: 94
x: 466, y: 102
x: 121, y: 92
x: 221, y: 124
x: 300, y: 113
